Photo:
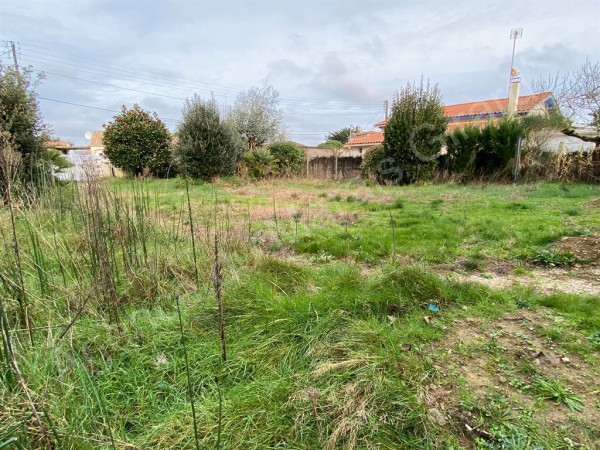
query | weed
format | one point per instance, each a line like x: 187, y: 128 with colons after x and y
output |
x: 472, y: 264
x: 553, y: 258
x: 554, y: 390
x: 398, y: 204
x: 435, y: 204
x: 573, y: 212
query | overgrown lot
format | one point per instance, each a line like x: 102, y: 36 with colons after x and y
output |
x: 448, y: 316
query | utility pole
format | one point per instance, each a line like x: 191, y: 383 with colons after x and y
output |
x: 515, y: 33
x: 14, y: 53
x: 386, y: 107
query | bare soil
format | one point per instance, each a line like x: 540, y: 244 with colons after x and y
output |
x: 583, y: 248
x: 484, y: 358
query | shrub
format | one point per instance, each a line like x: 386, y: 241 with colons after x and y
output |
x: 207, y: 147
x: 414, y: 134
x: 259, y: 162
x: 483, y: 151
x: 288, y: 158
x: 372, y: 162
x: 462, y: 146
x: 498, y: 146
x: 136, y: 141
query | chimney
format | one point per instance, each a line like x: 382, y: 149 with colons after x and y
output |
x: 513, y: 96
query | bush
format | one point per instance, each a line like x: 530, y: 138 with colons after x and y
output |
x: 462, y: 145
x: 483, y: 151
x: 137, y: 141
x: 372, y: 161
x: 288, y: 158
x: 207, y: 147
x: 413, y: 135
x: 259, y: 162
x: 498, y: 146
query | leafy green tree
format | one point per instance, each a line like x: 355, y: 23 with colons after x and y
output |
x: 207, y: 147
x: 288, y: 158
x: 256, y: 116
x: 332, y: 143
x: 342, y: 135
x: 22, y: 126
x: 414, y: 134
x: 137, y: 141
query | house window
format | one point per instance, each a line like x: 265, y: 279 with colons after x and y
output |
x: 360, y: 150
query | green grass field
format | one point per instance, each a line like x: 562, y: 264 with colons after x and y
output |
x: 349, y: 318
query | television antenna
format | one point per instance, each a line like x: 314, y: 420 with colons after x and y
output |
x: 515, y: 33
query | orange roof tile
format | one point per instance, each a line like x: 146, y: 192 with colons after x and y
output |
x: 96, y: 139
x: 366, y: 137
x: 487, y: 107
x: 500, y: 105
x: 57, y: 144
x: 471, y: 123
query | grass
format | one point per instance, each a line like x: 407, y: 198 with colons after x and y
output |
x: 319, y: 308
x: 554, y: 390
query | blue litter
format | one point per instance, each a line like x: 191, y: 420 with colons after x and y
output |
x: 432, y: 307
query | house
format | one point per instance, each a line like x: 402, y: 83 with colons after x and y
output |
x: 478, y: 113
x: 361, y: 141
x: 61, y: 146
x: 483, y: 112
x: 96, y: 142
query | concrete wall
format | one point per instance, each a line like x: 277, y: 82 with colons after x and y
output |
x: 325, y: 167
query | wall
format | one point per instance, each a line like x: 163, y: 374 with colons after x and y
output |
x: 325, y: 167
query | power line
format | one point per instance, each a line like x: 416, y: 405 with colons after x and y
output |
x: 93, y: 107
x: 116, y: 87
x: 332, y: 106
x: 206, y: 87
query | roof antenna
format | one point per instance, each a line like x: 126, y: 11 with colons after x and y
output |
x: 515, y: 33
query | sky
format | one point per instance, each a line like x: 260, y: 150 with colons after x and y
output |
x: 333, y: 62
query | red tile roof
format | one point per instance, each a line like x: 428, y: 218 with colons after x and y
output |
x: 488, y: 107
x: 57, y: 144
x: 500, y: 105
x: 366, y: 138
x: 96, y: 139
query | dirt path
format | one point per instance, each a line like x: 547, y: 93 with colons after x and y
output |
x: 576, y: 280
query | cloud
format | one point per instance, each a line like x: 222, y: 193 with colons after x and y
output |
x: 330, y: 60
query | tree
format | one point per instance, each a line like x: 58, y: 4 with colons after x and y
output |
x: 331, y: 144
x: 342, y: 135
x: 577, y: 94
x: 256, y: 116
x: 414, y: 134
x: 22, y: 127
x: 288, y: 158
x: 207, y: 147
x: 138, y: 141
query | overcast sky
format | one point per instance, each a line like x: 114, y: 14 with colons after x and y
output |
x: 333, y: 62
